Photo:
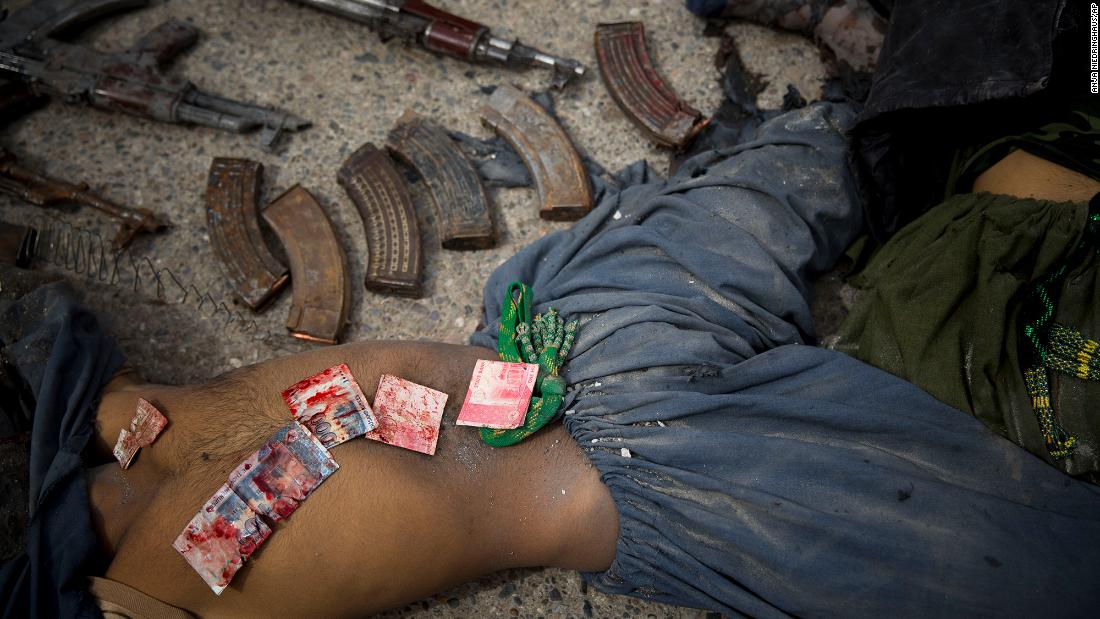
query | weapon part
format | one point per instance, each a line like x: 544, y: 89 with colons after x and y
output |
x: 131, y: 81
x: 560, y: 177
x: 60, y: 246
x: 437, y: 30
x: 393, y: 236
x: 642, y: 94
x: 57, y: 19
x: 232, y: 194
x: 40, y: 190
x: 318, y: 266
x: 16, y: 99
x: 457, y: 195
x: 17, y: 244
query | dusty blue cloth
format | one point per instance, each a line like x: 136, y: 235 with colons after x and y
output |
x: 755, y: 474
x: 59, y: 349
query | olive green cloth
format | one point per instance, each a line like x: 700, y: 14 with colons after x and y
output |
x: 940, y: 306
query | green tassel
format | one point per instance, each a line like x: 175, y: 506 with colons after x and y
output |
x: 545, y: 340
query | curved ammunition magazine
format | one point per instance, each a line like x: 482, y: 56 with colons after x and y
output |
x: 393, y: 236
x: 318, y: 266
x: 564, y: 191
x: 461, y: 206
x: 643, y: 95
x: 232, y: 191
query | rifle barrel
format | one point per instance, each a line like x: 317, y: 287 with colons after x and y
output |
x: 17, y: 64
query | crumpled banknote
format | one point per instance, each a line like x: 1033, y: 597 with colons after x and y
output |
x: 221, y: 537
x: 144, y: 429
x: 283, y: 472
x: 408, y: 414
x: 331, y: 405
x: 499, y: 395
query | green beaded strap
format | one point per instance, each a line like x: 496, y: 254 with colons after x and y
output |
x: 1070, y: 352
x: 1055, y: 347
x: 1067, y: 351
x: 544, y: 340
x: 1060, y: 444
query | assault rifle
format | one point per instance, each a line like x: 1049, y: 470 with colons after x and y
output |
x: 131, y: 81
x: 437, y: 30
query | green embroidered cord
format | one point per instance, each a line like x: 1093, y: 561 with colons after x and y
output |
x: 545, y: 340
x: 1055, y: 347
x: 1060, y: 444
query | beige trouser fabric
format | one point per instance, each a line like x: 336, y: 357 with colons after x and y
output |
x: 117, y: 600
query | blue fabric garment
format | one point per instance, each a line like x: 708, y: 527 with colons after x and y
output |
x: 755, y: 474
x: 706, y: 8
x: 59, y: 349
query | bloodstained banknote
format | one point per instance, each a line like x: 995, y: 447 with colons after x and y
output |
x: 283, y: 472
x: 408, y: 414
x: 499, y: 395
x: 144, y: 428
x: 220, y: 538
x: 331, y: 405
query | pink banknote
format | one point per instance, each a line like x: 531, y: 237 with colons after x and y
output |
x: 499, y: 395
x: 220, y: 538
x: 408, y: 414
x: 331, y: 405
x: 283, y: 472
x: 144, y: 429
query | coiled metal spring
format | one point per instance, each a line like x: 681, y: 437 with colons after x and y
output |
x: 83, y: 252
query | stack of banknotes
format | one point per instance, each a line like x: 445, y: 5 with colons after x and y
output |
x: 328, y: 409
x: 271, y: 482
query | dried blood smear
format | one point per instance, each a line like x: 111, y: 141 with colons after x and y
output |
x: 408, y: 414
x: 220, y: 538
x: 499, y: 395
x: 331, y: 405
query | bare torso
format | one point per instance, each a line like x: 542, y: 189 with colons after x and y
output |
x: 390, y: 526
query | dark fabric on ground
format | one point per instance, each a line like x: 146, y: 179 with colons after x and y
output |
x: 954, y: 73
x: 755, y: 475
x: 942, y: 306
x: 58, y: 348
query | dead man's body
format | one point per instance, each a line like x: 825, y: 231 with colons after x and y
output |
x: 391, y: 525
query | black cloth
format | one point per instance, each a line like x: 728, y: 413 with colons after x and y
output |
x: 951, y: 73
x: 59, y: 350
